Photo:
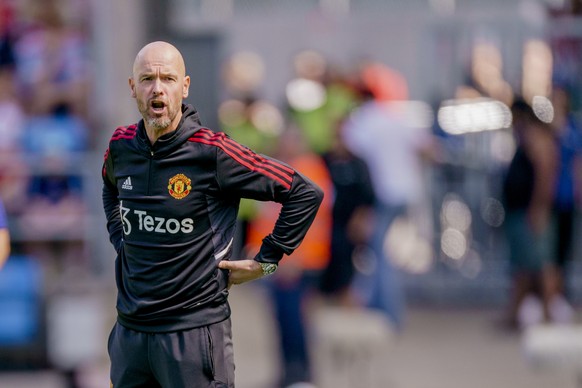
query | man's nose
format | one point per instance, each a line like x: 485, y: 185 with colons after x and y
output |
x: 157, y: 87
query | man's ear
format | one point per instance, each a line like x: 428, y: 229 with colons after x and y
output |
x: 132, y: 87
x: 186, y: 86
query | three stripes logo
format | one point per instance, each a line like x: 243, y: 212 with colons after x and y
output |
x: 127, y: 184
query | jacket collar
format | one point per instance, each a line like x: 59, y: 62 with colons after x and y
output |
x: 188, y: 125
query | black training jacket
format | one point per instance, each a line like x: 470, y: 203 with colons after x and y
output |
x: 171, y: 210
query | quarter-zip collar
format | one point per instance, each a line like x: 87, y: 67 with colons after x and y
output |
x: 189, y: 124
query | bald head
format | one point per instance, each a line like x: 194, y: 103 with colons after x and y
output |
x: 159, y: 84
x: 160, y: 52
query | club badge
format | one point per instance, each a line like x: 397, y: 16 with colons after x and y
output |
x: 179, y: 186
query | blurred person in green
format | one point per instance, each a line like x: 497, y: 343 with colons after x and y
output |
x: 317, y: 98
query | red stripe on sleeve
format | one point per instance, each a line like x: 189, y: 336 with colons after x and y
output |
x: 245, y: 152
x: 124, y: 132
x: 246, y: 157
x: 248, y: 154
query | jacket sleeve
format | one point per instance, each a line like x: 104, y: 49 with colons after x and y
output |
x: 111, y: 203
x: 246, y: 174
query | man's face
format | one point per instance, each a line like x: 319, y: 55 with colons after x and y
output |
x: 159, y: 86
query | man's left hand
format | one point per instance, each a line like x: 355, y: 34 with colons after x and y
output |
x: 241, y: 271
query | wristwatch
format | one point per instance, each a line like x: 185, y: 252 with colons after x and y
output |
x: 268, y: 268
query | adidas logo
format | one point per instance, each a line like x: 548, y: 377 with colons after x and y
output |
x: 127, y: 184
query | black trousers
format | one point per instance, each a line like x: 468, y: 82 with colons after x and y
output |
x: 197, y: 358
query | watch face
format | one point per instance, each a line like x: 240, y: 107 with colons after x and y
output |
x: 268, y: 268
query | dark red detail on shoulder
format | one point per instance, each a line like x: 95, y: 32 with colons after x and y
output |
x: 124, y: 132
x: 103, y: 170
x: 246, y: 157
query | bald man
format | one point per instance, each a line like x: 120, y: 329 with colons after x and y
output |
x: 171, y: 191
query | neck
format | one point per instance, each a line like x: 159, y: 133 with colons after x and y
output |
x: 155, y: 132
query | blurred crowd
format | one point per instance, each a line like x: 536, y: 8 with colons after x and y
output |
x: 44, y: 129
x: 381, y: 158
x: 396, y: 173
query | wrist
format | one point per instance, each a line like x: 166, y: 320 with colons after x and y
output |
x: 267, y: 268
x: 269, y: 253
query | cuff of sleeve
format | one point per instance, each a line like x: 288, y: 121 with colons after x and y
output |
x: 269, y: 254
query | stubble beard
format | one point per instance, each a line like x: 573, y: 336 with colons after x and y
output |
x: 159, y: 123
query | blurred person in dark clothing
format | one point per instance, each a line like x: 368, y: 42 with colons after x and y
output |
x: 528, y: 192
x: 568, y: 133
x: 353, y: 200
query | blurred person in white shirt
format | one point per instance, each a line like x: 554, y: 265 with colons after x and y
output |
x: 394, y: 151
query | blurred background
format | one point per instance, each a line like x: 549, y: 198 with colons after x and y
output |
x: 416, y: 273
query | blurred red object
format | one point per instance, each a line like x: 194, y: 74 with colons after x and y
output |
x: 385, y: 83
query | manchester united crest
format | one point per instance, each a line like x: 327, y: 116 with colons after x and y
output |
x: 179, y: 186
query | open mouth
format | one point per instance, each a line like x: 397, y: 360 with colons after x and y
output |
x: 157, y: 106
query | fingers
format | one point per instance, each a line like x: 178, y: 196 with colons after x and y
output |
x: 224, y: 265
x: 241, y: 271
x: 236, y: 264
